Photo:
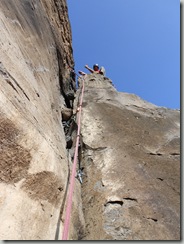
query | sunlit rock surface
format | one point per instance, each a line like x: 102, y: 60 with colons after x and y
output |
x: 131, y: 154
x: 35, y: 44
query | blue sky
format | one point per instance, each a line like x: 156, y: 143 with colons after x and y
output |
x: 137, y: 41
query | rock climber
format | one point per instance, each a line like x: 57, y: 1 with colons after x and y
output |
x: 95, y: 69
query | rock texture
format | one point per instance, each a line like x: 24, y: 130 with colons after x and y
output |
x: 131, y: 154
x: 35, y: 44
x: 129, y: 149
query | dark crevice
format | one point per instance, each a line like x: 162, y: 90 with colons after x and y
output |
x: 155, y: 220
x: 92, y: 148
x: 70, y: 126
x: 130, y: 199
x: 157, y: 154
x: 18, y: 86
x: 67, y: 86
x: 60, y: 63
x: 160, y: 154
x: 35, y: 119
x: 114, y: 202
x: 9, y: 82
x: 70, y: 129
x: 160, y: 179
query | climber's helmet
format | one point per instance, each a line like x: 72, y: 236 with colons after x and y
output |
x: 96, y: 67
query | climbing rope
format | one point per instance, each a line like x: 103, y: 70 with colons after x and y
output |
x: 72, y: 178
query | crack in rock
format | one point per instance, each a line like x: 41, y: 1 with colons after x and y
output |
x: 93, y: 148
x: 155, y: 220
x: 160, y: 179
x: 157, y: 154
x: 130, y: 199
x: 114, y: 202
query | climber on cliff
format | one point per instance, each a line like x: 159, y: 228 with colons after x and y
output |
x: 95, y: 70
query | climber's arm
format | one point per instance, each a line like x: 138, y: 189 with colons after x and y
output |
x: 87, y: 67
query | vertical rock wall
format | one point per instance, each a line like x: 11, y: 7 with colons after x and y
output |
x: 35, y: 44
x: 131, y: 159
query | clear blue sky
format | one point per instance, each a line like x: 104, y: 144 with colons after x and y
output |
x: 137, y: 41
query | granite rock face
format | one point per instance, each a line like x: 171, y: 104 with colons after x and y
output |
x: 35, y: 44
x: 131, y: 152
x: 129, y: 149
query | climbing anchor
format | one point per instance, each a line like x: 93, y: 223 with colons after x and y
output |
x: 80, y: 173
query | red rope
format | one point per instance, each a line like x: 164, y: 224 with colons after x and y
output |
x: 72, y: 178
